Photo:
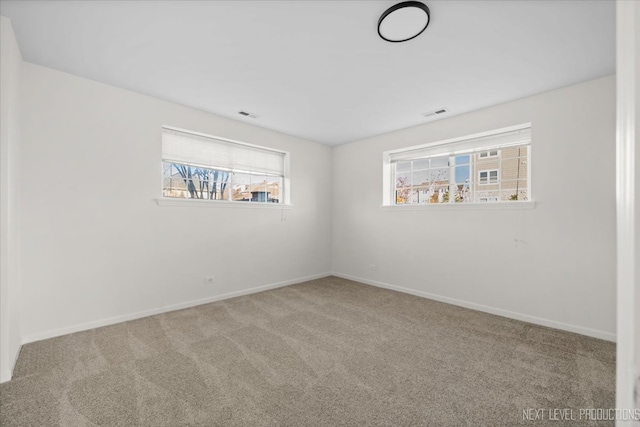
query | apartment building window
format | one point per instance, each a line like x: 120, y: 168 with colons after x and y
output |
x: 202, y: 167
x: 493, y: 167
x: 490, y: 153
x: 486, y: 177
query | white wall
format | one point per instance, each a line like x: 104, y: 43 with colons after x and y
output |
x: 10, y: 69
x: 628, y: 207
x: 97, y: 249
x: 553, y: 265
x: 636, y: 198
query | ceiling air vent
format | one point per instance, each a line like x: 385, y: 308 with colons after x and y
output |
x: 435, y: 112
x: 247, y: 114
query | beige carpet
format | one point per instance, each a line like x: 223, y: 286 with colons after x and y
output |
x: 329, y: 352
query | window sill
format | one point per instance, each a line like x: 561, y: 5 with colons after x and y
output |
x: 219, y: 204
x: 463, y: 206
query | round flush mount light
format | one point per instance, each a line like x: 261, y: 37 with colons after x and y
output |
x: 404, y: 21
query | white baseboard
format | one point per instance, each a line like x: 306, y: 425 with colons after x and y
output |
x: 608, y: 336
x: 6, y: 375
x: 119, y: 319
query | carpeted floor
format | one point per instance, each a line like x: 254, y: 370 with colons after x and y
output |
x: 329, y: 352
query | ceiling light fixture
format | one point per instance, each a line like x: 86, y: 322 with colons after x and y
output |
x: 404, y: 21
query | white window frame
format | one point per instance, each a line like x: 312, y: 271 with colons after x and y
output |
x: 454, y: 146
x: 488, y: 171
x: 286, y: 180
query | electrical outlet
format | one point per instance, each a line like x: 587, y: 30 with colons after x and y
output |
x: 210, y: 280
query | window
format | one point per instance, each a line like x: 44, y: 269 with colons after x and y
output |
x: 490, y: 153
x: 197, y: 166
x: 488, y: 177
x: 492, y: 167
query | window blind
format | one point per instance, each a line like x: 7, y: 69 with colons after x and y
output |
x: 500, y: 140
x: 199, y: 150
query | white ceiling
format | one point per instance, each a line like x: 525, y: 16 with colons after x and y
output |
x: 318, y: 69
